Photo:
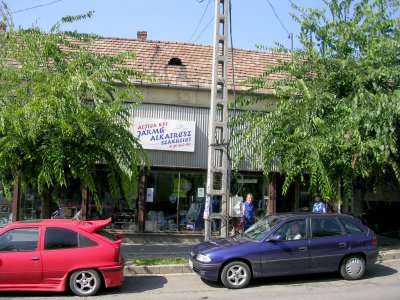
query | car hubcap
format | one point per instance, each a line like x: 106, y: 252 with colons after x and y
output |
x: 354, y: 266
x: 237, y: 275
x: 85, y: 282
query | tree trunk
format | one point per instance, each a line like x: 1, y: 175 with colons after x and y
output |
x: 16, y: 201
x: 84, y: 203
x: 358, y: 201
x: 46, y: 205
x: 142, y: 200
x: 272, y: 194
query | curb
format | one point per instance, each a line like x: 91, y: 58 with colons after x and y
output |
x: 131, y: 270
x: 388, y: 255
x: 156, y: 270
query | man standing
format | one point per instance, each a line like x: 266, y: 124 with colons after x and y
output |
x: 319, y: 206
x: 248, y: 211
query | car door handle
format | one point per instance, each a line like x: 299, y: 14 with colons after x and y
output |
x: 303, y: 248
x: 35, y: 258
x: 343, y: 244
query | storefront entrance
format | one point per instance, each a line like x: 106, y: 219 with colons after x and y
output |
x: 175, y: 200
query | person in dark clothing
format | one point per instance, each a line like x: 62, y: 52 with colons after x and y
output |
x: 215, y: 208
x: 248, y: 211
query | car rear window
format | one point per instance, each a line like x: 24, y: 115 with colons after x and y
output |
x: 107, y: 235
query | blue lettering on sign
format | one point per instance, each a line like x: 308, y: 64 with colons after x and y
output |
x: 151, y: 131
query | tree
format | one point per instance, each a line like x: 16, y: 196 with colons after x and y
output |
x: 337, y: 105
x: 64, y: 109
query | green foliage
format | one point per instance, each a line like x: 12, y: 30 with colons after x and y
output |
x: 337, y: 109
x: 64, y: 109
x: 160, y: 261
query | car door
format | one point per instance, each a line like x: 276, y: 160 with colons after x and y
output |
x: 281, y: 255
x: 20, y: 260
x: 329, y: 243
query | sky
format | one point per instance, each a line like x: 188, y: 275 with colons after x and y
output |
x: 254, y: 22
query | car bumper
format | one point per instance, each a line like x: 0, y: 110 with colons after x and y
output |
x: 372, y: 256
x: 205, y: 270
x: 113, y: 276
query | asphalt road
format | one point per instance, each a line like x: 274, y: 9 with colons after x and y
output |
x: 380, y: 282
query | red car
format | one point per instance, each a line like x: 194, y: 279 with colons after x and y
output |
x: 54, y: 254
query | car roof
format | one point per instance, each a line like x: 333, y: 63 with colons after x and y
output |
x: 88, y: 226
x: 285, y: 215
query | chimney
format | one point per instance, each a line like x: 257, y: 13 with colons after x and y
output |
x: 142, y: 35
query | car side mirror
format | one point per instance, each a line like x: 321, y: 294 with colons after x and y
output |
x: 275, y: 238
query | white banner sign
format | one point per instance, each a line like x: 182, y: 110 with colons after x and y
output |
x: 167, y: 135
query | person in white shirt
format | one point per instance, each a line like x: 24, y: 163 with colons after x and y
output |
x: 294, y: 232
x: 319, y: 206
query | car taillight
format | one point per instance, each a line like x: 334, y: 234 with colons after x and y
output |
x: 117, y: 254
x: 374, y: 241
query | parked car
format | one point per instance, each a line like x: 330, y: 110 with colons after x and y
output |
x: 56, y: 254
x: 288, y: 244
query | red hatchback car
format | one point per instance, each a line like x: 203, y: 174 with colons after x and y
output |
x: 53, y: 254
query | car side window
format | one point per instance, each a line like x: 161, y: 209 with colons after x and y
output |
x: 351, y: 227
x: 62, y: 238
x: 20, y: 239
x: 322, y: 227
x: 293, y: 230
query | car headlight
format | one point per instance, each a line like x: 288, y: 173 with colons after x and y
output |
x: 203, y: 258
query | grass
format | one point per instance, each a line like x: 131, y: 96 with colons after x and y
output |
x: 159, y: 261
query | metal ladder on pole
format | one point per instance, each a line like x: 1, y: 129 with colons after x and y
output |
x: 218, y: 166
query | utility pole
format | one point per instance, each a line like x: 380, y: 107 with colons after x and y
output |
x: 218, y: 167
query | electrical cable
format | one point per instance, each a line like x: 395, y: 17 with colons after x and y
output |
x: 290, y: 35
x: 201, y: 19
x: 280, y: 21
x: 208, y: 24
x: 33, y: 7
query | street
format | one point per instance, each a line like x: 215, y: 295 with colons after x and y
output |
x: 381, y: 282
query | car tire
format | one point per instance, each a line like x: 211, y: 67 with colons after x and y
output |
x: 236, y: 275
x: 85, y: 282
x: 352, y: 267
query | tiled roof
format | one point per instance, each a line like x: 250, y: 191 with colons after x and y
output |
x: 196, y: 69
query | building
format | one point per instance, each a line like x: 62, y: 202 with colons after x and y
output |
x: 172, y: 123
x: 173, y: 190
x: 180, y: 98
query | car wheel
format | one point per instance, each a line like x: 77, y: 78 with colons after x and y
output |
x: 352, y: 267
x: 236, y: 275
x: 85, y: 282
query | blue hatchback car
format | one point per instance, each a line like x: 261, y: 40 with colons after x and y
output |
x: 288, y: 244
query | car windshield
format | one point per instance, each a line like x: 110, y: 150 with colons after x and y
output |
x: 261, y: 228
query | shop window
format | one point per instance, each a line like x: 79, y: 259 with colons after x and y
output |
x: 304, y: 200
x: 174, y: 200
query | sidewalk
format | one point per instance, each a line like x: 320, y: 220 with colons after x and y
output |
x: 171, y: 245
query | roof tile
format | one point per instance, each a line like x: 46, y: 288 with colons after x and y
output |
x: 196, y: 69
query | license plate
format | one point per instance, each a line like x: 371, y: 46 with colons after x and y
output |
x: 190, y: 264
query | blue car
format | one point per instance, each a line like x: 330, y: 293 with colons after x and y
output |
x: 288, y: 244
